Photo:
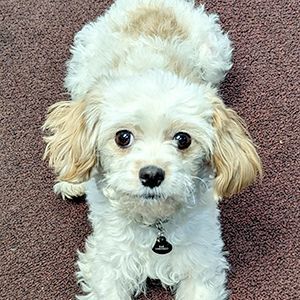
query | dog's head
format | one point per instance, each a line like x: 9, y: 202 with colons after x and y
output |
x: 156, y: 139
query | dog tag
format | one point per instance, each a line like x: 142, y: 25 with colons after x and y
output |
x: 162, y: 246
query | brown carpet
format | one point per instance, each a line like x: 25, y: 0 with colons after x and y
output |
x: 39, y: 233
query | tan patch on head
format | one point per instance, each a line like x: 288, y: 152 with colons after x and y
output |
x: 155, y: 22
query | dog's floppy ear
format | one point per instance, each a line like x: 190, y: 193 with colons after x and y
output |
x: 71, y: 140
x: 235, y: 159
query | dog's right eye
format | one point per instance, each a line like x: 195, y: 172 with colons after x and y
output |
x: 183, y: 140
x: 124, y: 138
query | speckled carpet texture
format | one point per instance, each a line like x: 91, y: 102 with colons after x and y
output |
x: 40, y: 233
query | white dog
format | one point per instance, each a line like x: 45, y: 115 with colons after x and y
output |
x: 151, y: 143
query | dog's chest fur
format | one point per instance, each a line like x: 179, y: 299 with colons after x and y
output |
x: 128, y: 243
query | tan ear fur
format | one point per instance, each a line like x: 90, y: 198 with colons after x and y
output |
x: 235, y: 158
x: 70, y: 148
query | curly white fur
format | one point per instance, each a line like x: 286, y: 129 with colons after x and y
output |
x: 205, y: 50
x: 150, y: 67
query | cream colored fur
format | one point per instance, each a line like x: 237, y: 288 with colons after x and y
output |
x: 151, y: 67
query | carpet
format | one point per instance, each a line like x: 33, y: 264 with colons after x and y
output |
x: 40, y: 233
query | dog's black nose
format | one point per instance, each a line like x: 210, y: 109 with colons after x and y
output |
x: 151, y: 176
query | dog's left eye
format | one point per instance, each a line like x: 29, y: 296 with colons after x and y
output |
x: 124, y: 138
x: 183, y: 140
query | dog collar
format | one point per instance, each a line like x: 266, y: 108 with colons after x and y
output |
x: 161, y: 246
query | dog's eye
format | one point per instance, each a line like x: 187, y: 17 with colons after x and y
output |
x: 124, y: 138
x: 183, y: 140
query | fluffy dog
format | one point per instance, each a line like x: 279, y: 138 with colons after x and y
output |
x: 153, y: 146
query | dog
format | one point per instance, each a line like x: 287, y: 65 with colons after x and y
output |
x: 149, y: 140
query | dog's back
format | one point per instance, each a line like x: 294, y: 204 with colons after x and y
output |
x: 137, y: 35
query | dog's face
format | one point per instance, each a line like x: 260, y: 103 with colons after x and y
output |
x: 155, y: 139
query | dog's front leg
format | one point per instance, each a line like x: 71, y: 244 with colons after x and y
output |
x: 196, y: 288
x: 107, y: 288
x: 101, y: 280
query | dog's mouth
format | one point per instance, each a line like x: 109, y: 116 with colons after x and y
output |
x: 152, y: 196
x: 149, y: 196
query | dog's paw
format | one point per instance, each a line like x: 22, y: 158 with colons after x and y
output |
x: 69, y: 190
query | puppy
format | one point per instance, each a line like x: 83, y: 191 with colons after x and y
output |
x: 153, y: 146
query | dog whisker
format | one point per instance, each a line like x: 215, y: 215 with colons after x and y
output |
x: 202, y: 181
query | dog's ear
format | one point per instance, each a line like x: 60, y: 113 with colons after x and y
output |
x: 71, y: 140
x: 235, y: 159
